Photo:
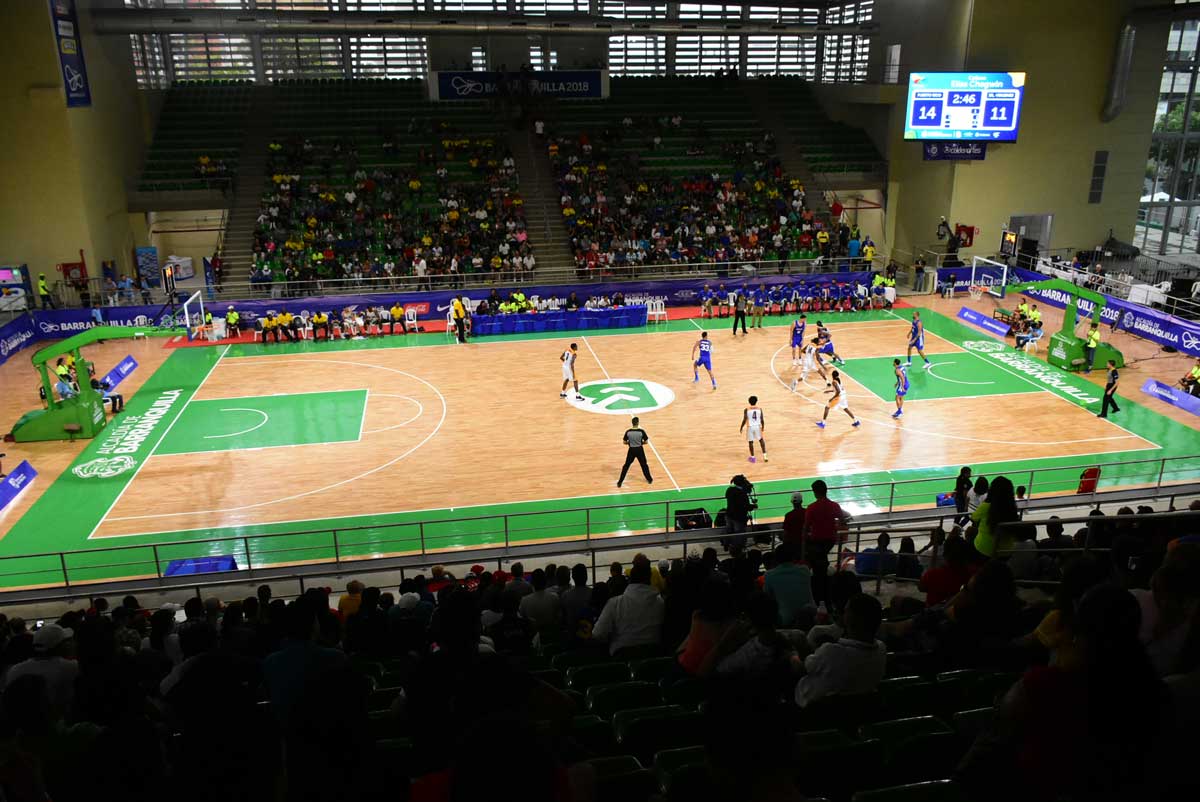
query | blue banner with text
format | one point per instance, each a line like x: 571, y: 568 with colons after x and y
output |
x: 118, y: 374
x: 983, y: 321
x: 69, y: 44
x: 12, y: 485
x: 1172, y: 395
x: 15, y: 335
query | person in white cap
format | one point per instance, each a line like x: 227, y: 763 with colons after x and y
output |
x: 52, y: 645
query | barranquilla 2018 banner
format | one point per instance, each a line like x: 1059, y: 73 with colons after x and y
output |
x: 470, y: 85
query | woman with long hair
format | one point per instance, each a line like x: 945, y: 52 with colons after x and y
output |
x: 1000, y: 508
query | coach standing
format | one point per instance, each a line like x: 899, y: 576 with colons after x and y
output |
x: 636, y: 438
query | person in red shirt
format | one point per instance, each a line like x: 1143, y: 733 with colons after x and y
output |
x: 823, y: 521
x: 943, y: 582
x: 793, y: 522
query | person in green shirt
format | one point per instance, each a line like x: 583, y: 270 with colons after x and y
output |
x: 231, y: 323
x: 44, y: 293
x: 1093, y: 340
x: 999, y: 508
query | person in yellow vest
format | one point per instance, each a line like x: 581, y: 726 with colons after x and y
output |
x: 320, y: 322
x: 519, y: 299
x: 823, y: 242
x: 1191, y: 380
x: 208, y: 317
x: 44, y: 293
x: 869, y: 253
x: 397, y: 313
x: 232, y: 320
x: 284, y: 323
x: 1022, y: 311
x: 1093, y: 340
x: 1035, y: 316
x: 61, y: 369
x: 269, y: 329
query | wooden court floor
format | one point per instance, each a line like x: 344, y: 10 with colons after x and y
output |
x: 448, y: 427
x: 313, y: 437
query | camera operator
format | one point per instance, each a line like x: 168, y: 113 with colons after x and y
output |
x: 739, y: 504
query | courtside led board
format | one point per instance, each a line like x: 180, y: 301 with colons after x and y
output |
x: 964, y: 106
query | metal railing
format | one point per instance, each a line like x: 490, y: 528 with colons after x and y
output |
x: 73, y: 294
x: 340, y: 546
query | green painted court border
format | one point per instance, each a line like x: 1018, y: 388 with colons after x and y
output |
x: 550, y: 519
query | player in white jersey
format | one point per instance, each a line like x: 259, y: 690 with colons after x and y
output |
x: 753, y: 424
x: 840, y: 401
x: 568, y: 370
x: 810, y: 362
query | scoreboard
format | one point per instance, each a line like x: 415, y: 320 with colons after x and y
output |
x: 964, y: 106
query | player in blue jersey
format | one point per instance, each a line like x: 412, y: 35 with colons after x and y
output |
x: 827, y: 344
x: 798, y: 326
x: 901, y: 386
x: 704, y: 347
x: 916, y: 339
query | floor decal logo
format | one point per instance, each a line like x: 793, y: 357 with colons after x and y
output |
x: 984, y: 346
x: 104, y: 467
x: 621, y: 396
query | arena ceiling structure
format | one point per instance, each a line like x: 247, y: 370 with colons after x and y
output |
x: 264, y: 40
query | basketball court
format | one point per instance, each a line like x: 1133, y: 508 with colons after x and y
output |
x: 398, y: 443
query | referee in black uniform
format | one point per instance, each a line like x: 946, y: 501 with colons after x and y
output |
x: 1110, y: 391
x: 636, y: 439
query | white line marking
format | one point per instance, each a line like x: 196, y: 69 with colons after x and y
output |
x: 420, y: 412
x: 1084, y: 407
x: 295, y: 496
x: 893, y: 424
x: 362, y: 421
x: 166, y: 431
x: 658, y: 456
x: 258, y: 425
x: 280, y: 395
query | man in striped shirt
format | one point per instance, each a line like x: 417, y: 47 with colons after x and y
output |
x: 636, y: 438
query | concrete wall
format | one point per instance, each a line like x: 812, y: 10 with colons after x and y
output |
x: 1066, y: 47
x: 65, y: 170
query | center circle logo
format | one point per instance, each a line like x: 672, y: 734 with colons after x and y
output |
x: 1128, y: 320
x: 621, y: 396
x: 104, y: 467
x: 984, y: 346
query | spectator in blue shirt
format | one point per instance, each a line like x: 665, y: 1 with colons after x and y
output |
x: 879, y: 560
x: 758, y: 307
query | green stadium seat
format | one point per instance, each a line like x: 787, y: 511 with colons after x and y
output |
x: 383, y: 698
x: 593, y: 734
x: 605, y: 700
x: 893, y: 732
x: 614, y: 765
x: 690, y: 782
x: 910, y: 698
x: 846, y: 713
x: 580, y: 678
x: 838, y: 770
x: 638, y: 785
x: 580, y: 657
x: 551, y: 677
x: 818, y: 740
x: 645, y: 736
x: 689, y: 692
x: 652, y: 669
x: 384, y: 725
x: 936, y: 791
x: 930, y: 756
x: 970, y: 723
x: 669, y: 762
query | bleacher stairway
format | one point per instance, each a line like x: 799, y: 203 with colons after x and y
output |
x: 551, y: 245
x: 794, y: 164
x: 238, y: 243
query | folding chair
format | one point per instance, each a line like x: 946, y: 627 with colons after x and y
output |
x: 410, y: 320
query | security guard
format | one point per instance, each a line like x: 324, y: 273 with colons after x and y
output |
x: 232, y: 318
x: 397, y: 313
x: 1035, y: 316
x: 320, y: 322
x: 44, y: 293
x: 1093, y: 340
